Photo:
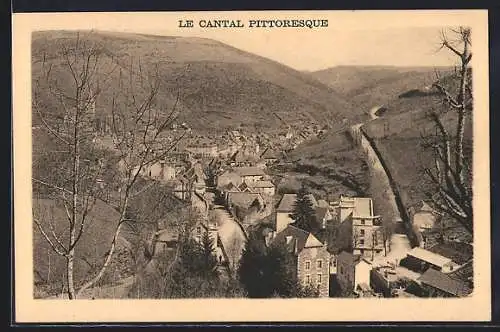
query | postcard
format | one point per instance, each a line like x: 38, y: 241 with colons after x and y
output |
x: 251, y: 166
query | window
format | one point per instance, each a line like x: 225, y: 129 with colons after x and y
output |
x: 319, y: 264
x: 318, y: 278
x: 341, y: 270
x: 362, y: 232
x: 308, y: 265
x: 362, y: 221
x: 198, y: 229
x: 362, y: 241
x: 308, y: 279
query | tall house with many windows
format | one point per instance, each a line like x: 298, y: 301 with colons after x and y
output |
x: 367, y: 233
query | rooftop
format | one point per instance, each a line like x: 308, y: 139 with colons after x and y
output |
x: 429, y: 256
x: 443, y: 282
x: 300, y: 238
x: 287, y: 202
x: 350, y: 258
x: 262, y: 184
x: 243, y: 199
x: 363, y: 206
x: 249, y: 171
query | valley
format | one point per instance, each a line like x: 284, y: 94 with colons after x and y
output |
x: 245, y: 138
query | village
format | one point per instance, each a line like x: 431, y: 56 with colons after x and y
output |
x: 227, y: 178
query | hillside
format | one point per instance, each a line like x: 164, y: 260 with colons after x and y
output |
x: 218, y: 85
x: 398, y: 137
x: 369, y: 86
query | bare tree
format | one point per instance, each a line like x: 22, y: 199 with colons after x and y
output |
x: 64, y: 100
x: 451, y: 172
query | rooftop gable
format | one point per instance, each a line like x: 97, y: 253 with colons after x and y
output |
x: 299, y: 237
x: 312, y: 242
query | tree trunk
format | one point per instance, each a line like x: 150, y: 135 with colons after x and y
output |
x: 69, y: 274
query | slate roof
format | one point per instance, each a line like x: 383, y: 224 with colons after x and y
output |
x: 287, y: 202
x: 429, y: 256
x: 243, y: 199
x: 249, y: 171
x: 299, y: 237
x: 262, y: 184
x: 443, y: 282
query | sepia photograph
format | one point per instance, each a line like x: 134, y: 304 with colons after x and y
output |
x: 337, y: 158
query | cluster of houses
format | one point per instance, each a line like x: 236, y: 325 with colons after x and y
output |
x: 371, y: 261
x: 372, y: 264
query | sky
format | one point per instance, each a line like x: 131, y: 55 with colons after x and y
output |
x: 383, y: 38
x: 315, y: 49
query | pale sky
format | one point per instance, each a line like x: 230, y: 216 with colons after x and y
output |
x: 318, y: 49
x: 388, y: 38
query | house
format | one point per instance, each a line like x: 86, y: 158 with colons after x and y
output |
x: 244, y: 188
x: 312, y: 258
x: 352, y: 271
x: 250, y: 174
x: 238, y: 175
x: 159, y: 171
x: 263, y: 187
x: 285, y: 208
x: 419, y: 260
x: 245, y: 199
x: 439, y: 284
x: 367, y: 234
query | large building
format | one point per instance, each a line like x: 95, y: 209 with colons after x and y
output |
x: 367, y: 233
x: 312, y: 261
